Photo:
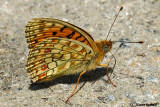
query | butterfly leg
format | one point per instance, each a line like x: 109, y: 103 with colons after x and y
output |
x: 107, y: 74
x: 76, y: 85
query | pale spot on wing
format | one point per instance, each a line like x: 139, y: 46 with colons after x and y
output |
x: 36, y: 27
x: 48, y: 24
x: 76, y: 47
x: 36, y: 31
x: 68, y: 49
x: 64, y: 52
x: 27, y: 29
x: 50, y: 72
x: 31, y: 60
x: 51, y: 65
x: 55, y: 71
x: 88, y: 51
x: 73, y: 55
x: 35, y: 79
x: 32, y: 37
x: 36, y: 63
x: 31, y: 32
x: 31, y: 27
x: 59, y: 62
x: 48, y: 55
x: 52, y: 40
x: 55, y: 51
x: 38, y: 58
x: 61, y: 67
x: 39, y: 72
x: 46, y: 29
x: 35, y: 51
x: 59, y: 25
x: 57, y: 56
x: 40, y: 34
x: 66, y: 57
x: 63, y: 41
x: 29, y: 66
x: 32, y: 74
x: 76, y: 56
x: 79, y: 57
x: 89, y: 57
x: 59, y: 46
x: 84, y: 53
x: 47, y: 60
x: 41, y: 45
x: 67, y: 65
x: 75, y: 62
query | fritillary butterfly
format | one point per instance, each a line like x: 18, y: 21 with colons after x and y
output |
x: 58, y: 48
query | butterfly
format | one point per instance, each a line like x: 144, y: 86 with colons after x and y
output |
x: 58, y: 48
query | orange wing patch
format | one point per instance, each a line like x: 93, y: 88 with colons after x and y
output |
x: 39, y: 29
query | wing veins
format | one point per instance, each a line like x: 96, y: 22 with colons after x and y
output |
x: 55, y: 67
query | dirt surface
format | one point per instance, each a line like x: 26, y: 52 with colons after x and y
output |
x: 137, y: 70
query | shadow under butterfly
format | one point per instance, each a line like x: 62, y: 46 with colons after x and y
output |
x: 90, y: 76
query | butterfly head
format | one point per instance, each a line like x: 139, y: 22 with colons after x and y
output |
x: 104, y: 45
x: 107, y: 45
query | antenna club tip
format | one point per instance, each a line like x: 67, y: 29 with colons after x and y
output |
x: 141, y: 41
x: 121, y: 8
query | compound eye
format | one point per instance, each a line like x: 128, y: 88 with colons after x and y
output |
x: 106, y: 48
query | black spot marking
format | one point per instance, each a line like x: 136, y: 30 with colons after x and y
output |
x: 56, y: 63
x: 70, y: 35
x: 73, y: 33
x: 63, y: 28
x: 54, y: 33
x: 89, y: 52
x: 78, y: 37
x: 53, y: 24
x: 35, y: 41
x: 61, y: 56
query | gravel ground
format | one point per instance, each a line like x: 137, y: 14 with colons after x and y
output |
x: 137, y: 70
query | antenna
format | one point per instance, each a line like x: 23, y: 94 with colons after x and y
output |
x: 114, y: 21
x: 140, y: 42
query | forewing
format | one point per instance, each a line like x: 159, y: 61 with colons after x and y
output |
x: 55, y: 57
x: 40, y: 28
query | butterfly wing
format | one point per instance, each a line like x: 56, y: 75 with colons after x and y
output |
x: 40, y: 28
x: 55, y: 57
x: 57, y: 48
